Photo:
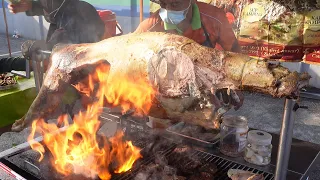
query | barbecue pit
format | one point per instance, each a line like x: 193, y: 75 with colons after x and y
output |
x: 23, y: 161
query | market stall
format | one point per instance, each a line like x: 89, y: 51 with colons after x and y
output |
x: 170, y: 146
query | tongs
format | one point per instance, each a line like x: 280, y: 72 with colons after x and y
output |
x: 225, y: 98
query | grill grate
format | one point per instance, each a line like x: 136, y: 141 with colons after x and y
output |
x: 130, y: 126
x: 223, y: 165
x: 131, y: 174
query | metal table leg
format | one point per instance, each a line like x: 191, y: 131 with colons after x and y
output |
x: 285, y: 140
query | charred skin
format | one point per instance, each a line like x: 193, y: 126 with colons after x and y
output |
x: 151, y: 55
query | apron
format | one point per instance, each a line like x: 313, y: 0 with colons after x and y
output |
x: 207, y: 42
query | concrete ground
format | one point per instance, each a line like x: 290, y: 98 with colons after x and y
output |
x: 15, y: 44
x: 263, y: 112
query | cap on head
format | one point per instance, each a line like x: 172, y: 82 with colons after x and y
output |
x: 175, y: 5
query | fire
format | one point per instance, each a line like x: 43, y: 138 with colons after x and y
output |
x: 78, y: 149
x: 125, y: 154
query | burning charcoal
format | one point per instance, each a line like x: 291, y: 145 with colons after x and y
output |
x: 157, y: 172
x: 152, y: 167
x: 161, y: 159
x: 184, y: 161
x: 180, y: 178
x: 158, y: 145
x: 180, y: 154
x: 169, y: 170
x: 149, y: 172
x: 189, y: 167
x: 76, y: 177
x: 141, y: 176
x: 138, y: 138
x: 173, y: 178
x: 202, y: 176
x: 209, y: 168
x: 182, y: 149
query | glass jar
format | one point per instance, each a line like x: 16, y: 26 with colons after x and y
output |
x: 233, y: 135
x: 259, y: 148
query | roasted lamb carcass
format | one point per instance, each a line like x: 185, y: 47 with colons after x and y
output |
x: 176, y: 66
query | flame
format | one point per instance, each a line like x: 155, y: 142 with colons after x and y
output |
x: 78, y: 149
x: 125, y: 154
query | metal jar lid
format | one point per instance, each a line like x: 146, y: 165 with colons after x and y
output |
x: 259, y: 137
x: 235, y: 121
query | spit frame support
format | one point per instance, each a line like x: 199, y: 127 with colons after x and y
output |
x: 37, y: 60
x: 286, y: 133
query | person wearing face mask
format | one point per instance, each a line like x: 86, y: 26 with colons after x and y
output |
x: 71, y: 22
x: 204, y: 23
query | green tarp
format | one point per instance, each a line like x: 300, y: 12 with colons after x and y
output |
x: 15, y: 103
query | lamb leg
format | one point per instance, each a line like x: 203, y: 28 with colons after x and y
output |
x: 54, y: 90
x: 45, y: 103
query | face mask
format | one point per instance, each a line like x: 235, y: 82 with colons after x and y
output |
x: 173, y: 17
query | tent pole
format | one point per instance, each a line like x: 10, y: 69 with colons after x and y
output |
x: 6, y: 24
x: 141, y: 11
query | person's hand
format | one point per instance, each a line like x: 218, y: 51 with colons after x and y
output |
x: 224, y: 100
x: 228, y: 97
x: 22, y: 6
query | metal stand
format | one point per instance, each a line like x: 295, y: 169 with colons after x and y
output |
x: 286, y: 133
x: 38, y: 58
x: 285, y: 139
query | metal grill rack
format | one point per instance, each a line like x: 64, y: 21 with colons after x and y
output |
x: 224, y: 165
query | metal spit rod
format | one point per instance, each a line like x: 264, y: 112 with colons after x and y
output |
x: 285, y: 140
x: 45, y: 52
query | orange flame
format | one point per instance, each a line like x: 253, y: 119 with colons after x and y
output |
x: 78, y: 149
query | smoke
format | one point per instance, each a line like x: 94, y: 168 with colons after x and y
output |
x: 81, y: 168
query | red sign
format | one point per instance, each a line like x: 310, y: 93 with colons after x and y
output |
x: 312, y: 54
x: 272, y: 51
